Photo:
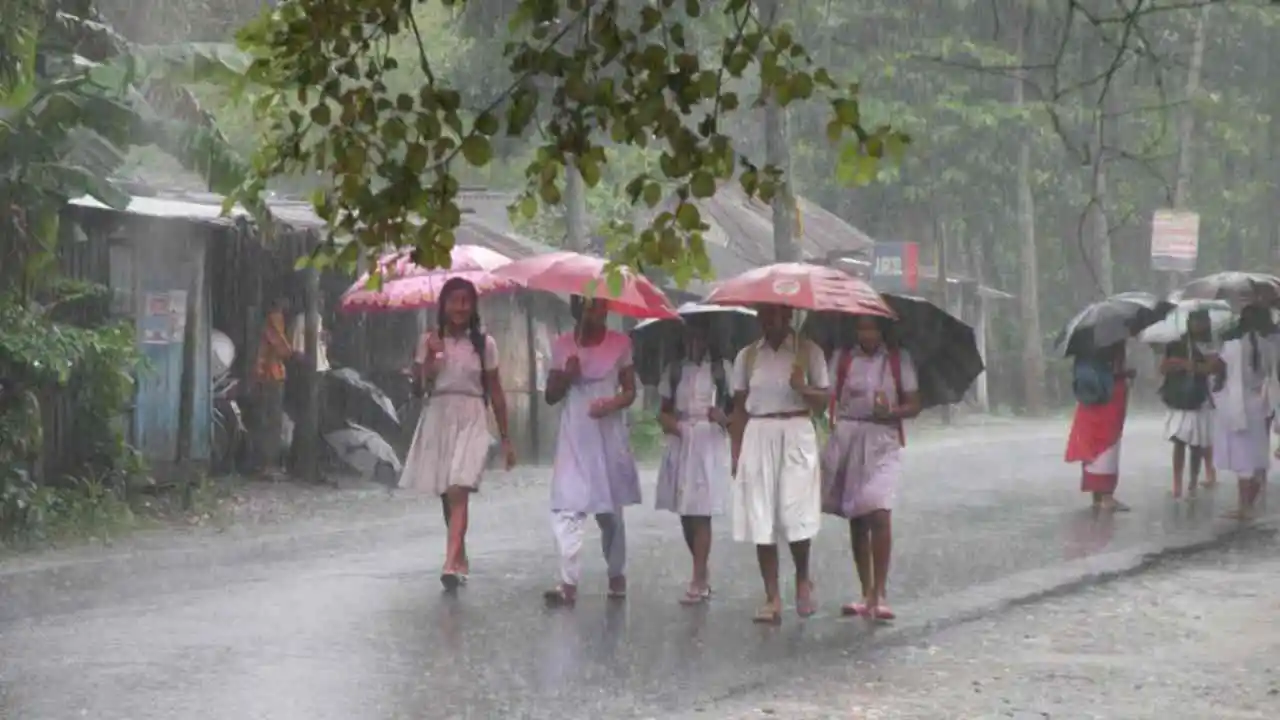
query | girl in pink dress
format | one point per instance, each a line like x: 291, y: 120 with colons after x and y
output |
x: 594, y: 474
x: 457, y: 364
x: 876, y: 389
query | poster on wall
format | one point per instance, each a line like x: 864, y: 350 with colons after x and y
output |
x: 164, y: 317
x: 896, y: 267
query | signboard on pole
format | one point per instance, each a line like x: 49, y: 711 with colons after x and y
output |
x: 1175, y: 240
x: 896, y: 267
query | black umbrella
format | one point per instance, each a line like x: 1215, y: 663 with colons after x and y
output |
x: 943, y: 347
x: 1110, y: 321
x: 659, y: 342
x: 350, y: 397
x: 1237, y: 288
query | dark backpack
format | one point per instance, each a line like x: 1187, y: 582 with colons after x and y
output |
x: 1092, y: 381
x: 1182, y: 390
x: 724, y: 398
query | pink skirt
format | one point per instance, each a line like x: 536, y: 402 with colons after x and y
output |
x: 860, y: 468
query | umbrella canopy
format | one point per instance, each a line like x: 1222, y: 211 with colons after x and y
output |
x: 1110, y: 321
x: 349, y: 395
x: 409, y: 286
x: 570, y: 273
x: 659, y: 342
x: 364, y: 450
x: 1237, y: 288
x: 1174, y: 325
x: 801, y: 286
x: 943, y: 347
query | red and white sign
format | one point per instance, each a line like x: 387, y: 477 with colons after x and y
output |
x: 1175, y: 240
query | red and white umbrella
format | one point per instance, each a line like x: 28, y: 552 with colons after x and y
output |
x: 804, y: 287
x: 409, y: 286
x: 570, y: 273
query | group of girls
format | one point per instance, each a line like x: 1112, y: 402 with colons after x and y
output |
x: 1222, y: 402
x: 740, y: 438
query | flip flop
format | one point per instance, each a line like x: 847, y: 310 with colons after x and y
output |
x: 450, y: 581
x: 884, y: 614
x: 768, y: 615
x: 853, y: 610
x: 695, y: 597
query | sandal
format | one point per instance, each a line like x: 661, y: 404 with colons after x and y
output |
x: 853, y: 610
x: 768, y: 615
x: 804, y: 604
x: 560, y: 596
x: 450, y: 580
x: 694, y: 596
x: 883, y: 613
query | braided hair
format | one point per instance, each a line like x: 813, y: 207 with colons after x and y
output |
x: 474, y: 331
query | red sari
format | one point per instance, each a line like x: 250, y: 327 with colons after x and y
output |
x: 1095, y: 438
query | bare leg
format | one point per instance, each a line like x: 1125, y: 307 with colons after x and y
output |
x: 697, y: 532
x: 457, y: 502
x: 1197, y: 457
x: 860, y: 535
x: 804, y: 583
x: 767, y: 557
x: 881, y: 550
x: 1179, y: 466
x: 1210, y: 471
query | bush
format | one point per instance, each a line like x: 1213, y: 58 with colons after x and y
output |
x: 46, y: 360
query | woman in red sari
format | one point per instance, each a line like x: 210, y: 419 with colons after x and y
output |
x: 1096, y: 432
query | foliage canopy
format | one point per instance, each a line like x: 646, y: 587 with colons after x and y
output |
x: 587, y: 77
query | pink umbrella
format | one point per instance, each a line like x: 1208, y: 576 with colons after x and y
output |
x: 409, y: 286
x: 571, y: 273
x: 804, y: 287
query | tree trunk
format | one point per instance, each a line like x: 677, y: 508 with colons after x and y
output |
x: 778, y: 154
x: 1032, y: 336
x: 575, y: 210
x: 944, y: 294
x: 1187, y: 126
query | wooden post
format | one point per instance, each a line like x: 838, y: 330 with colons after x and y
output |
x: 943, y: 291
x: 307, y: 432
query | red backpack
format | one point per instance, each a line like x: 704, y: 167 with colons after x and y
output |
x: 842, y: 374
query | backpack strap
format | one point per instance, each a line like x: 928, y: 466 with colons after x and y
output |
x: 842, y: 375
x: 895, y: 367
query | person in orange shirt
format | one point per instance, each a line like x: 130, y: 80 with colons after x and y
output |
x: 269, y: 376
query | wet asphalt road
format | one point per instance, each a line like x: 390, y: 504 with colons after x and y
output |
x: 364, y: 633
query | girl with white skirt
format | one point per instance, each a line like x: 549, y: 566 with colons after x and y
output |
x: 457, y: 366
x: 1186, y: 367
x: 593, y: 374
x: 778, y: 383
x: 695, y: 463
x: 1245, y: 399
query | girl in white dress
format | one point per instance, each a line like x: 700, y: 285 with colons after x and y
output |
x: 593, y: 374
x: 695, y: 465
x: 457, y: 366
x: 778, y: 383
x: 1245, y: 398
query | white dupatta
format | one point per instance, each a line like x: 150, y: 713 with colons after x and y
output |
x: 1230, y: 403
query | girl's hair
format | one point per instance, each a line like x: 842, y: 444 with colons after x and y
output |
x: 477, y: 336
x: 1255, y: 320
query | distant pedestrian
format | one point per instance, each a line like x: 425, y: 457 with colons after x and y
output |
x: 694, y: 475
x: 274, y: 351
x: 1187, y: 365
x: 876, y: 389
x: 776, y: 495
x: 1101, y: 386
x: 593, y: 374
x: 1245, y: 397
x: 456, y: 365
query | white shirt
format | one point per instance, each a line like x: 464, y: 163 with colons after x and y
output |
x: 459, y: 372
x: 769, y: 387
x: 697, y: 391
x: 298, y: 338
